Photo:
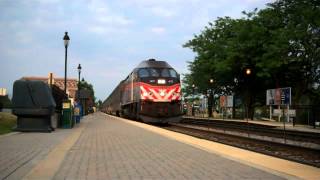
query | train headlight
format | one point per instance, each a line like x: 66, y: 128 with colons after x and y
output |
x: 161, y: 81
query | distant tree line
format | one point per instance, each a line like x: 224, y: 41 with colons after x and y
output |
x: 279, y: 44
x: 84, y: 85
x: 5, y: 102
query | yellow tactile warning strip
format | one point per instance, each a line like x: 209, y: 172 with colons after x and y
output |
x: 47, y: 168
x: 280, y: 167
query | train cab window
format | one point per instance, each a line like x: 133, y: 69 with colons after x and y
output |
x: 143, y: 73
x: 173, y: 73
x: 154, y: 73
x: 165, y: 73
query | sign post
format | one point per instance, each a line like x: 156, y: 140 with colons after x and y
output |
x: 280, y: 97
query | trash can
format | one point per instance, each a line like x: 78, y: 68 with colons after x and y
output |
x: 76, y: 113
x: 67, y: 114
x: 34, y: 105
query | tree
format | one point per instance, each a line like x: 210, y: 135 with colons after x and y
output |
x: 5, y: 102
x: 85, y: 85
x: 295, y: 42
x: 279, y: 44
x: 99, y: 104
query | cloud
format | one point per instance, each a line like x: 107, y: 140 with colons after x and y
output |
x: 158, y: 30
x: 114, y: 20
x: 108, y: 37
x: 162, y: 12
x: 97, y: 29
x: 103, y: 19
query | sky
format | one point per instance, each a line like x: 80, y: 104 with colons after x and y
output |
x: 109, y: 38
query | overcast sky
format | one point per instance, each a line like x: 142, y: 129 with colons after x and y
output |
x: 108, y: 38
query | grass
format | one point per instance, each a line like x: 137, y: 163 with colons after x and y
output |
x: 7, y: 122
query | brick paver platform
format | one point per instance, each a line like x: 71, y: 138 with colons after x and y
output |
x: 112, y: 149
x: 20, y: 152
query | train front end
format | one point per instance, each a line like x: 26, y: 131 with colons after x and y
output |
x: 160, y: 93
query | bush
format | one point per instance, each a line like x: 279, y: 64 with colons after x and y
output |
x: 7, y: 122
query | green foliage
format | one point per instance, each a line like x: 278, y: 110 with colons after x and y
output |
x: 85, y: 85
x: 99, y: 104
x: 7, y: 122
x: 280, y: 44
x: 5, y: 102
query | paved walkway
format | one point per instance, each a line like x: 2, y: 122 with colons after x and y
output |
x: 112, y: 149
x: 19, y: 152
x: 106, y: 147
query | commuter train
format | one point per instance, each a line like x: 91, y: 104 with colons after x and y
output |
x: 150, y: 93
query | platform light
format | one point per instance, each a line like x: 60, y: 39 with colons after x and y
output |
x: 248, y: 71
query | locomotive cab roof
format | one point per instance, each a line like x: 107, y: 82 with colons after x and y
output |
x: 152, y: 63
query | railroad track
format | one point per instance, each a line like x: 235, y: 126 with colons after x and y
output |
x: 293, y: 152
x: 260, y: 131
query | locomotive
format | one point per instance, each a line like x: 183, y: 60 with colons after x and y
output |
x: 150, y: 93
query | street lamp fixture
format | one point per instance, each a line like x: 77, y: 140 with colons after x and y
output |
x: 79, y: 71
x: 248, y: 71
x: 66, y: 40
x: 192, y: 110
x: 211, y: 99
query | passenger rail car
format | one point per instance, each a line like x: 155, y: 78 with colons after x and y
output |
x: 151, y: 93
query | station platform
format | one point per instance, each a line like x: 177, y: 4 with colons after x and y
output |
x: 107, y: 147
x: 267, y: 122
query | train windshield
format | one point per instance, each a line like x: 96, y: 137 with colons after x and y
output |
x: 154, y: 72
x: 173, y: 73
x: 165, y: 73
x: 143, y: 73
x: 157, y: 72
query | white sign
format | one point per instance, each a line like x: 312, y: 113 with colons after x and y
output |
x: 226, y: 101
x: 3, y: 91
x: 277, y: 112
x: 203, y: 105
x: 229, y: 101
x: 292, y: 112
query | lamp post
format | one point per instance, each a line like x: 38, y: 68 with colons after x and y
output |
x: 211, y: 98
x: 192, y: 110
x: 66, y: 40
x: 79, y: 72
x: 235, y: 80
x: 248, y: 74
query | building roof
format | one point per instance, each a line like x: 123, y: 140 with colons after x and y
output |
x: 72, y: 83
